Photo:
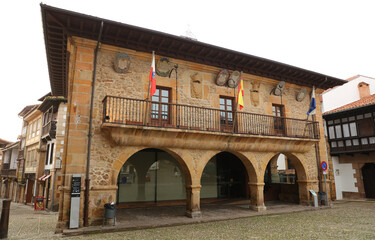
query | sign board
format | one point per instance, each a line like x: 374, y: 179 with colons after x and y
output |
x: 313, y: 193
x: 39, y: 203
x: 75, y: 196
x: 324, y: 172
x: 324, y: 165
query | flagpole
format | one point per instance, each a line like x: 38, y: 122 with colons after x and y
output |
x: 235, y: 110
x: 148, y: 95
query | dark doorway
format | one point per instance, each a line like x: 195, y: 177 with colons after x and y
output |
x: 368, y: 174
x: 29, y: 193
x: 224, y: 177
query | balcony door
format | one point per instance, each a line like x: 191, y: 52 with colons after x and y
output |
x: 279, y: 121
x: 160, y: 108
x: 226, y: 114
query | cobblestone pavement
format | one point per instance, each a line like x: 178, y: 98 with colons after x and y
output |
x: 344, y: 220
x: 25, y: 223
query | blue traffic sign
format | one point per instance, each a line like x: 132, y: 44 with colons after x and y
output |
x: 324, y: 165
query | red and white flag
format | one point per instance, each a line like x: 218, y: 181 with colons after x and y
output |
x: 152, y: 75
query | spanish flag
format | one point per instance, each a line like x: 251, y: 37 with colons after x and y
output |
x: 240, y: 93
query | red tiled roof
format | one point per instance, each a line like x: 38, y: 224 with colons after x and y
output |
x: 359, y: 103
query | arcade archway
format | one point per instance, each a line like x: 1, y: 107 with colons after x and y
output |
x: 149, y: 177
x: 281, y: 179
x: 224, y: 177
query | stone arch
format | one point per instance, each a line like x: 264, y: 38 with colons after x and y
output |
x: 299, y: 163
x: 248, y: 162
x: 121, y: 160
x: 304, y: 179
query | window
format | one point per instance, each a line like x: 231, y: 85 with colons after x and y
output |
x: 226, y: 112
x: 160, y: 109
x: 46, y: 161
x: 345, y: 129
x: 353, y: 129
x: 331, y: 131
x: 33, y: 129
x: 364, y: 141
x: 51, y: 153
x: 38, y: 127
x: 338, y: 131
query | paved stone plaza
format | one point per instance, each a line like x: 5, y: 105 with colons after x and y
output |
x: 344, y: 220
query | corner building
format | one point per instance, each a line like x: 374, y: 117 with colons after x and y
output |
x: 188, y: 143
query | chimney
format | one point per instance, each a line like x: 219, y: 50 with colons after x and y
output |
x: 363, y: 89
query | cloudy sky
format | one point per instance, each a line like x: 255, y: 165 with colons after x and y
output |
x: 336, y: 38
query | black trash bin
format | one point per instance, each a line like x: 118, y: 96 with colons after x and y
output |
x: 322, y: 198
x: 109, y: 212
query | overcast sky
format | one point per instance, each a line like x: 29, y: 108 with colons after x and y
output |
x: 336, y: 38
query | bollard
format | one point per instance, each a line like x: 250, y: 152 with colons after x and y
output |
x: 4, y: 222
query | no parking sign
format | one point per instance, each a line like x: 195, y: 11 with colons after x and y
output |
x: 324, y: 165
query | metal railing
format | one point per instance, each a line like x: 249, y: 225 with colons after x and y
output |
x: 121, y: 110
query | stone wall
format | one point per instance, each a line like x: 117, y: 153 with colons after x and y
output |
x: 195, y: 87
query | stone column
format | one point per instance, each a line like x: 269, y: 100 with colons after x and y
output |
x: 257, y: 198
x: 193, y: 208
x: 304, y: 186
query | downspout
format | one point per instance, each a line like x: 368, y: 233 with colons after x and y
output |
x: 87, y: 179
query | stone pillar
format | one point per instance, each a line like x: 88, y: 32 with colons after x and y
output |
x: 257, y: 199
x: 304, y: 186
x: 193, y: 208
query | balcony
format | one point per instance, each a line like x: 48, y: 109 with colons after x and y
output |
x: 21, y: 154
x: 6, y: 172
x: 49, y: 130
x: 126, y: 113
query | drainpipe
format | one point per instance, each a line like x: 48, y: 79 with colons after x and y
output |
x: 87, y: 179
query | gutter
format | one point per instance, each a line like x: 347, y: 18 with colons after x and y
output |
x: 87, y: 179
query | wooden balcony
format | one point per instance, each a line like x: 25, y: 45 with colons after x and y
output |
x: 49, y: 130
x: 133, y: 122
x: 6, y: 172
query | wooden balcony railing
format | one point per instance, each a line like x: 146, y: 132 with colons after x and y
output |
x: 129, y: 111
x: 50, y: 129
x: 6, y: 171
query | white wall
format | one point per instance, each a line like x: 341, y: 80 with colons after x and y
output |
x: 281, y: 162
x: 345, y: 94
x: 6, y: 156
x: 13, y: 161
x: 344, y: 177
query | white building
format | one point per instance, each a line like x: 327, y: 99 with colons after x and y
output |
x: 349, y: 116
x: 344, y: 94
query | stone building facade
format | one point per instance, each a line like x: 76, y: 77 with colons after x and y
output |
x: 192, y: 139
